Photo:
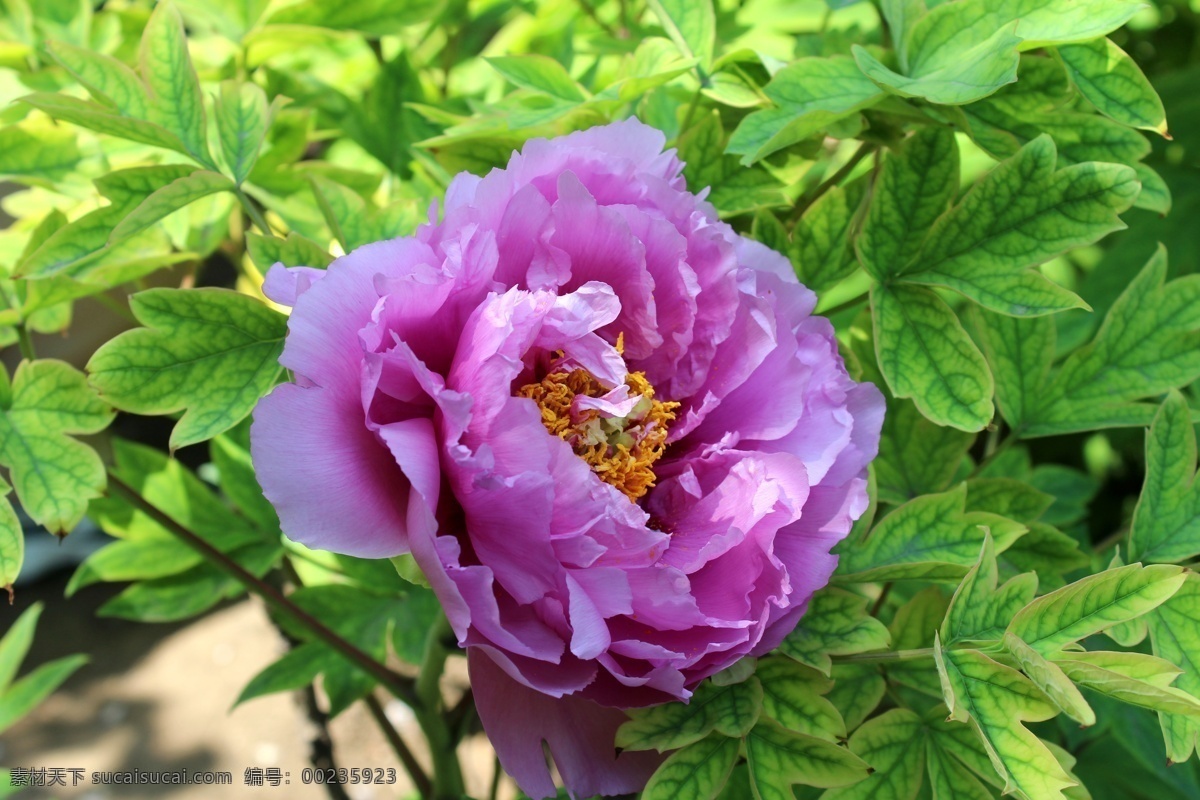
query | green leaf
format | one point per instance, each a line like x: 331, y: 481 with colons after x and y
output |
x: 930, y: 538
x: 293, y: 251
x: 40, y: 155
x: 169, y: 199
x: 385, y: 124
x: 1020, y: 351
x: 915, y: 186
x: 691, y: 24
x: 857, y: 691
x: 978, y: 609
x: 16, y: 643
x: 102, y: 119
x: 1046, y: 22
x: 735, y: 189
x: 243, y: 117
x: 24, y: 695
x: 1113, y: 83
x: 698, y: 771
x: 894, y: 745
x: 1023, y: 213
x: 950, y: 779
x: 821, y: 240
x: 1173, y: 637
x: 297, y: 668
x: 173, y: 598
x: 211, y: 353
x: 732, y: 710
x: 955, y: 56
x: 1134, y: 678
x: 1007, y: 497
x: 996, y: 699
x: 12, y: 542
x: 1094, y: 603
x: 779, y: 759
x: 54, y: 475
x: 110, y: 81
x: 1155, y: 195
x: 372, y: 17
x: 134, y: 560
x: 353, y: 222
x: 810, y: 95
x: 176, y: 103
x: 1050, y: 678
x: 835, y: 624
x: 912, y: 628
x: 916, y: 456
x: 925, y: 354
x: 1166, y: 522
x: 1148, y: 343
x: 792, y: 696
x: 539, y: 74
x: 1048, y: 552
x: 235, y: 470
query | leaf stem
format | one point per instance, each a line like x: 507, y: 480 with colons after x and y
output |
x: 253, y: 212
x: 803, y: 205
x: 25, y: 342
x: 399, y: 685
x: 447, y: 773
x: 420, y: 780
x: 885, y: 656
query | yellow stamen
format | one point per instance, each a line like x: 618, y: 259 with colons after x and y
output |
x: 626, y: 463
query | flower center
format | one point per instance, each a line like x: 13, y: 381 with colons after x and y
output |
x: 621, y: 450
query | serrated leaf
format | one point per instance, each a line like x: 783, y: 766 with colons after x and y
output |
x: 175, y: 100
x: 821, y: 240
x: 835, y: 624
x: 1113, y: 83
x: 54, y: 475
x: 1134, y: 678
x: 1023, y: 213
x: 894, y: 745
x: 1148, y: 343
x: 691, y: 24
x: 1050, y: 678
x: 673, y: 725
x: 978, y: 609
x: 209, y: 352
x: 1173, y: 637
x: 1094, y: 603
x: 916, y: 456
x: 793, y: 697
x: 243, y: 117
x: 1020, y: 351
x: 372, y: 17
x: 857, y: 691
x: 1166, y: 522
x: 810, y: 95
x: 165, y: 201
x: 931, y: 538
x: 24, y: 695
x: 779, y: 759
x: 915, y: 186
x: 996, y: 700
x: 698, y: 771
x: 925, y: 354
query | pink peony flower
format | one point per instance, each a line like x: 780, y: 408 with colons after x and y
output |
x: 607, y: 427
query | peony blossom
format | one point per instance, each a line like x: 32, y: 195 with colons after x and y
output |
x: 608, y: 428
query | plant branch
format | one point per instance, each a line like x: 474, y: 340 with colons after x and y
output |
x: 885, y: 656
x: 420, y: 780
x: 25, y: 342
x: 399, y: 685
x: 447, y: 773
x: 803, y: 205
x: 252, y: 211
